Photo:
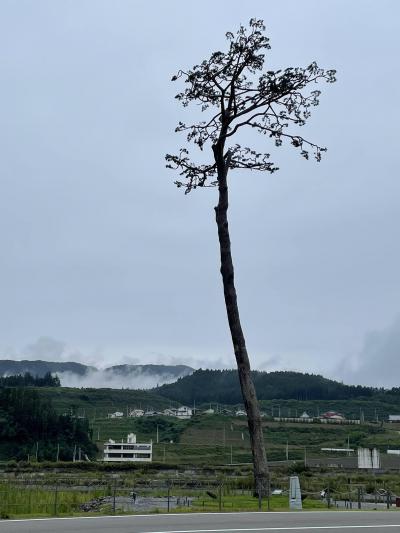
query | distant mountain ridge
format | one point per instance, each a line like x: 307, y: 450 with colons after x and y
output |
x: 81, y: 375
x: 9, y: 367
x: 173, y: 370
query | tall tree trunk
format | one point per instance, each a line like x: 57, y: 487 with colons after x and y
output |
x: 238, y: 340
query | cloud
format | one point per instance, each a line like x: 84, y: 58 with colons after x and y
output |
x: 206, y: 361
x: 113, y: 380
x: 46, y: 349
x: 270, y: 364
x: 378, y: 362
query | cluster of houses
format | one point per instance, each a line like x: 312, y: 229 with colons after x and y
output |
x: 183, y: 412
x: 330, y: 417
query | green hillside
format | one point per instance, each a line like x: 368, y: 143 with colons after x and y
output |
x: 219, y: 439
x: 97, y: 403
x: 29, y: 426
x: 222, y: 386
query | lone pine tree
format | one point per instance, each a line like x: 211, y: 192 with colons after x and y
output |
x: 231, y: 87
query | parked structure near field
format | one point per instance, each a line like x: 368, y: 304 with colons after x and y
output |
x: 128, y: 451
x: 345, y: 422
x: 136, y: 413
x: 332, y: 415
x: 339, y: 450
x: 183, y: 412
x: 117, y: 414
x: 295, y: 501
x: 368, y: 458
x: 298, y: 420
x: 394, y: 418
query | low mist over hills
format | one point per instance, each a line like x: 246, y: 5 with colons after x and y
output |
x: 73, y: 374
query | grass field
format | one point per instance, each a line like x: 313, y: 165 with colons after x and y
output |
x: 46, y: 493
x: 218, y: 439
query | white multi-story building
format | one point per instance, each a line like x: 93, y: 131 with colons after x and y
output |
x: 128, y: 451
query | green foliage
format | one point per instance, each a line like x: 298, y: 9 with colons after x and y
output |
x: 169, y: 429
x: 223, y: 386
x: 28, y: 380
x: 30, y: 426
x: 97, y: 403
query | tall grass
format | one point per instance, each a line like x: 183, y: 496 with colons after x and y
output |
x: 40, y: 501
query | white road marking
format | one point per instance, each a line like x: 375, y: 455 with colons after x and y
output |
x: 289, y: 528
x: 166, y: 515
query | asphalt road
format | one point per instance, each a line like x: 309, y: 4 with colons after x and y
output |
x: 313, y: 522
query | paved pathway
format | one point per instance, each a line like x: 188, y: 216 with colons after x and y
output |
x: 300, y: 522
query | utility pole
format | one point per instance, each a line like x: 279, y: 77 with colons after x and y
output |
x: 37, y: 451
x: 114, y: 491
x: 231, y: 455
x: 157, y: 435
x: 328, y: 498
x: 287, y: 450
x: 56, y: 499
x: 58, y: 452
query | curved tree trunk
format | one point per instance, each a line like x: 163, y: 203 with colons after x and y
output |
x: 238, y: 340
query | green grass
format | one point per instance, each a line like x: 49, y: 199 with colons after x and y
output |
x: 210, y: 439
x: 46, y: 493
x: 17, y: 501
x: 97, y: 403
x: 37, y: 501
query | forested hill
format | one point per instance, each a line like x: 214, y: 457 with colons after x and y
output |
x: 222, y: 386
x: 30, y: 426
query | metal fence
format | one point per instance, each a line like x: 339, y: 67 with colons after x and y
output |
x: 56, y: 496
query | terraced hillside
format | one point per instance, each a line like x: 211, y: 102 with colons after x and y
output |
x: 218, y: 439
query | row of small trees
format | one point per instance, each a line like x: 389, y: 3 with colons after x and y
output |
x: 28, y: 380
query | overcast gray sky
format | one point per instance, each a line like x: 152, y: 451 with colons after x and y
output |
x: 104, y: 261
